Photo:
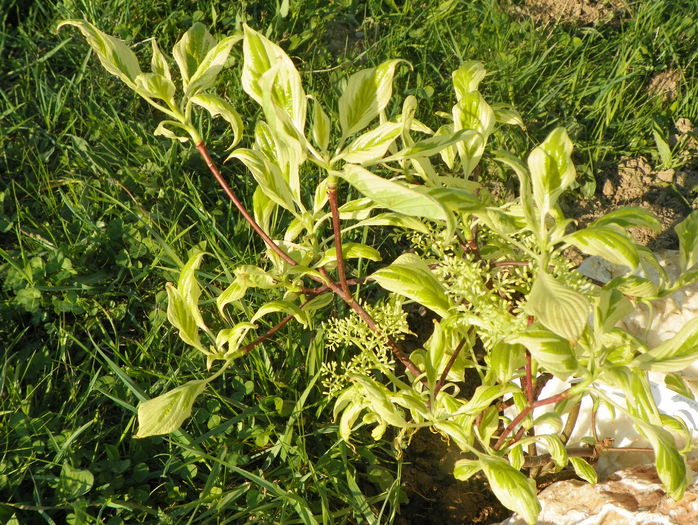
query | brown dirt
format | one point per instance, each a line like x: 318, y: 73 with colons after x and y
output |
x: 670, y: 194
x: 665, y: 85
x: 435, y: 496
x: 582, y: 12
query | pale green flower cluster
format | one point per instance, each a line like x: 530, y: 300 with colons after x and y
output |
x: 374, y: 355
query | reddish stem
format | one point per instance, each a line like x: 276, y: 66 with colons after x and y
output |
x: 336, y: 228
x: 256, y: 227
x: 449, y: 365
x: 525, y: 412
x: 346, y: 296
x: 248, y: 348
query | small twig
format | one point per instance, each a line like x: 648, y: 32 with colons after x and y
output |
x: 526, y: 411
x: 241, y: 208
x: 442, y: 380
x: 570, y: 423
x: 323, y: 289
x: 336, y: 229
x: 249, y: 347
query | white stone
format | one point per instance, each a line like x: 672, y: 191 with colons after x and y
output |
x: 632, y: 496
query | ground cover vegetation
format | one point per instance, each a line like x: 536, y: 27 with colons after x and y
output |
x: 98, y: 215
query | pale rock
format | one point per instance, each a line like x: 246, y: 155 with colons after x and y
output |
x: 633, y: 496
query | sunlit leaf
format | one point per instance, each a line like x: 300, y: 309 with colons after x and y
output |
x: 410, y: 277
x: 191, y: 50
x: 553, y: 352
x: 365, y: 96
x: 286, y: 91
x: 673, y: 355
x: 206, y: 72
x: 285, y: 307
x: 216, y: 106
x: 166, y: 413
x: 558, y: 307
x: 628, y: 217
x: 606, y: 242
x: 551, y: 168
x: 687, y: 230
x: 115, y: 56
x: 514, y: 490
x: 584, y: 470
x: 467, y: 77
x: 372, y: 145
x: 321, y: 126
x: 153, y: 85
x: 393, y: 195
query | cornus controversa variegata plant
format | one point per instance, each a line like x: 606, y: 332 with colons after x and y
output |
x: 504, y: 300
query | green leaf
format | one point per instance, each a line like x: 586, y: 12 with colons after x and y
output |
x: 556, y: 448
x: 349, y: 416
x: 431, y: 146
x: 372, y: 145
x: 165, y: 132
x: 367, y: 94
x: 551, y: 168
x: 525, y: 189
x: 670, y: 464
x: 458, y: 200
x: 166, y: 413
x: 153, y: 85
x: 553, y: 352
x: 467, y: 77
x: 189, y: 288
x: 378, y: 400
x: 115, y: 56
x: 687, y: 230
x: 410, y: 277
x: 216, y: 106
x: 504, y: 359
x: 321, y: 126
x: 180, y: 315
x: 350, y: 250
x: 629, y: 216
x: 158, y: 62
x: 268, y: 176
x: 472, y: 113
x: 394, y: 196
x: 260, y: 57
x: 232, y: 293
x: 673, y: 355
x: 232, y: 337
x: 205, y: 75
x: 584, y: 470
x: 190, y: 51
x: 74, y: 482
x: 505, y: 114
x: 634, y: 286
x: 662, y: 148
x: 607, y: 242
x: 514, y: 490
x: 558, y: 307
x: 464, y: 469
x: 285, y: 307
x: 391, y: 219
x: 483, y: 397
x: 611, y: 306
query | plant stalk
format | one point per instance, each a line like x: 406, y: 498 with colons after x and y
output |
x: 442, y: 380
x: 336, y: 228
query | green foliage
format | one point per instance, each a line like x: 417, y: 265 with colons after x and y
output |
x: 546, y: 310
x: 95, y: 215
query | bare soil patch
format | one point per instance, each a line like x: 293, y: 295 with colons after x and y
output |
x: 670, y: 194
x: 582, y: 12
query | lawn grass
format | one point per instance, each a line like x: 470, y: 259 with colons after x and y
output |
x: 96, y: 215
